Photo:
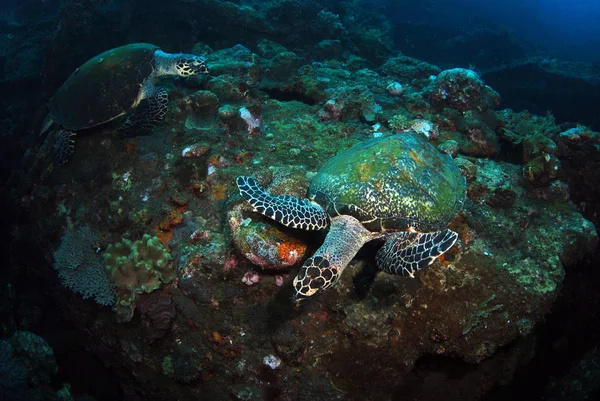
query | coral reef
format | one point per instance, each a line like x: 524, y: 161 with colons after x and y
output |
x: 284, y: 96
x: 517, y: 232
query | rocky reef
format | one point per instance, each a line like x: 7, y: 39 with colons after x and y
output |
x: 518, y: 231
x: 203, y: 283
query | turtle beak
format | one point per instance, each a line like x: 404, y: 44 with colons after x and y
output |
x: 298, y: 299
x: 200, y: 65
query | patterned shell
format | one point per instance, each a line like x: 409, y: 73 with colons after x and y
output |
x: 392, y: 183
x: 104, y: 88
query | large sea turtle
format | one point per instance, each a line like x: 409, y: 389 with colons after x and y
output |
x: 119, y: 82
x: 400, y: 188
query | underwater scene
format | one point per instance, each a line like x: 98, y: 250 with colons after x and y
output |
x: 289, y: 200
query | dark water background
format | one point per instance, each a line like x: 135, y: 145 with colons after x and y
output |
x: 568, y: 29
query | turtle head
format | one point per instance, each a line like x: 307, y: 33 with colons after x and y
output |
x: 315, y: 276
x: 181, y: 64
x: 321, y: 271
x: 187, y: 65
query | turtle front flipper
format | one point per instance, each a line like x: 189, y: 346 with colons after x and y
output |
x: 409, y: 252
x: 146, y: 115
x: 289, y: 211
x: 344, y: 239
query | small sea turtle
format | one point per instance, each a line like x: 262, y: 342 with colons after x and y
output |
x: 113, y: 84
x: 400, y: 188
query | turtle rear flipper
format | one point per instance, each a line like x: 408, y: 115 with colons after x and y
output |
x: 287, y: 210
x: 64, y: 145
x: 409, y: 252
x: 147, y: 115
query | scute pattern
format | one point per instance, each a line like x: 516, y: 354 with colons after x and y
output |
x: 392, y: 183
x: 289, y: 211
x: 103, y: 88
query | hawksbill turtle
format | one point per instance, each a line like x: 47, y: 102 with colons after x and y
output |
x: 119, y: 82
x: 399, y: 188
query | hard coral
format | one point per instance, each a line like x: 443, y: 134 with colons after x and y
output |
x: 263, y: 242
x: 158, y: 312
x: 350, y: 102
x: 407, y: 68
x: 462, y: 90
x: 135, y: 268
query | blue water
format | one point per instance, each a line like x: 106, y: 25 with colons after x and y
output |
x: 566, y: 28
x: 569, y: 28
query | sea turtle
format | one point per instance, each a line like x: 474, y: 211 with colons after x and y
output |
x: 113, y: 84
x: 400, y: 188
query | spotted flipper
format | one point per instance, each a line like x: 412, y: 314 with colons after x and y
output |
x: 146, y: 116
x: 289, y: 211
x: 407, y: 253
x: 344, y: 239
